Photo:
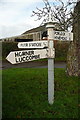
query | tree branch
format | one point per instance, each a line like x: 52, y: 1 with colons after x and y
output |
x: 61, y: 12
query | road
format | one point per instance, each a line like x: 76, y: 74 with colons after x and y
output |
x: 32, y: 64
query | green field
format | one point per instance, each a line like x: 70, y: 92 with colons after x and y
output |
x: 25, y: 94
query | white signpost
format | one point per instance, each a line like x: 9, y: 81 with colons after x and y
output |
x: 50, y: 27
x: 33, y: 44
x: 28, y: 55
x: 63, y: 36
x: 16, y: 57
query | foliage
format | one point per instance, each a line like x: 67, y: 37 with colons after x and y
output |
x: 25, y: 96
x: 7, y: 47
x: 61, y: 49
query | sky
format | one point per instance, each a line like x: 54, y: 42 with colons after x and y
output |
x: 15, y: 16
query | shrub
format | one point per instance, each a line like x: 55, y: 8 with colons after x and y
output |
x: 7, y: 47
x: 61, y: 49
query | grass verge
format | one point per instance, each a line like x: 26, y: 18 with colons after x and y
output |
x: 25, y: 94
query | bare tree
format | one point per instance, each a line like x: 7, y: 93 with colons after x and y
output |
x: 60, y: 11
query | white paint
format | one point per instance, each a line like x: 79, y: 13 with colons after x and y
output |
x: 50, y: 27
x: 63, y: 36
x: 33, y: 44
x: 26, y: 55
x: 50, y: 81
x: 51, y: 53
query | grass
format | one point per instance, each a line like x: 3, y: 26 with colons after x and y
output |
x: 25, y: 94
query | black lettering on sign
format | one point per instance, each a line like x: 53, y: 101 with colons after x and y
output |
x: 26, y: 44
x: 59, y: 33
x: 56, y: 33
x: 34, y: 44
x: 23, y: 53
x: 16, y: 60
x: 36, y: 57
x: 16, y: 54
x: 27, y: 58
x: 23, y: 45
x: 60, y: 38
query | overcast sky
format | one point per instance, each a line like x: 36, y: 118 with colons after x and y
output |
x: 15, y: 16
